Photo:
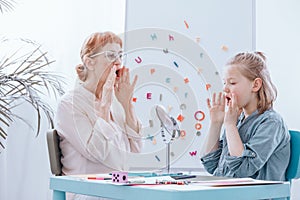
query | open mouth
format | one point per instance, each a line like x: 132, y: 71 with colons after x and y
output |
x: 118, y: 73
x: 228, y: 99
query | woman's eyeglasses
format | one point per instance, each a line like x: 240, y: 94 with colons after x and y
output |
x: 111, y: 56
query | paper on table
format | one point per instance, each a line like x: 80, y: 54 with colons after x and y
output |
x: 233, y: 182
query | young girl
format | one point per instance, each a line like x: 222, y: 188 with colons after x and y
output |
x: 256, y: 141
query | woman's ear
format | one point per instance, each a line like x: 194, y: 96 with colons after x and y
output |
x: 89, y: 62
x: 257, y: 83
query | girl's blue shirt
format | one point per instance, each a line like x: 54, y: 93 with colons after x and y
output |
x: 266, y: 152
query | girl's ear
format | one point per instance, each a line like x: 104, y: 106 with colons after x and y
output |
x: 257, y: 83
x: 89, y: 62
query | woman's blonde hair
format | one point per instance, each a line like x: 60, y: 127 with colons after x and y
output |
x: 93, y: 44
x: 252, y: 65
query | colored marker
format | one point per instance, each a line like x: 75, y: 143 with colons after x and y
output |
x: 98, y: 178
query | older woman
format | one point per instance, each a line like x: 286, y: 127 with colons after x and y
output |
x: 96, y: 120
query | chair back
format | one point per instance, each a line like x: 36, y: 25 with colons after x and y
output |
x: 54, y: 152
x: 293, y: 170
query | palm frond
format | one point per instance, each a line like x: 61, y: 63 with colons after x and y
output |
x: 2, y: 146
x: 25, y: 77
x: 7, y: 5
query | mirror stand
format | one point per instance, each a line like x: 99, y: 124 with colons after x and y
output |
x: 168, y: 148
x: 169, y: 124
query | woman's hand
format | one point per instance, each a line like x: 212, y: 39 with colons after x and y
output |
x: 105, y: 98
x: 217, y: 108
x: 124, y: 91
x: 123, y: 88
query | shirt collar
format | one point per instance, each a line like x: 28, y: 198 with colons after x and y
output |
x: 88, y: 95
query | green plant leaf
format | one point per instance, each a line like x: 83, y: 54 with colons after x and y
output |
x: 25, y: 77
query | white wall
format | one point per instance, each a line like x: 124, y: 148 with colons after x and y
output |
x: 278, y: 30
x: 61, y: 27
x: 214, y: 26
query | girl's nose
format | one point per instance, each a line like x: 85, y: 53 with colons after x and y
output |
x: 225, y: 89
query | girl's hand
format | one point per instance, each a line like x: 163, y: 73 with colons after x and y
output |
x: 235, y: 144
x: 123, y: 88
x: 233, y: 112
x: 217, y: 108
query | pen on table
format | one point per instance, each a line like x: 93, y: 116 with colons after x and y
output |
x: 183, y: 176
x: 99, y: 178
x: 136, y: 182
x: 172, y: 174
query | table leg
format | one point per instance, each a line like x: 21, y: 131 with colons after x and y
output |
x: 59, y: 195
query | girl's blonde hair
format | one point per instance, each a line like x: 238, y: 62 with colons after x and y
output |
x: 93, y: 44
x: 252, y: 65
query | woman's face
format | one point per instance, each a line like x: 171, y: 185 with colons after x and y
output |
x: 107, y: 57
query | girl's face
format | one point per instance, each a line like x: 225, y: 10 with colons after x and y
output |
x: 236, y: 83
